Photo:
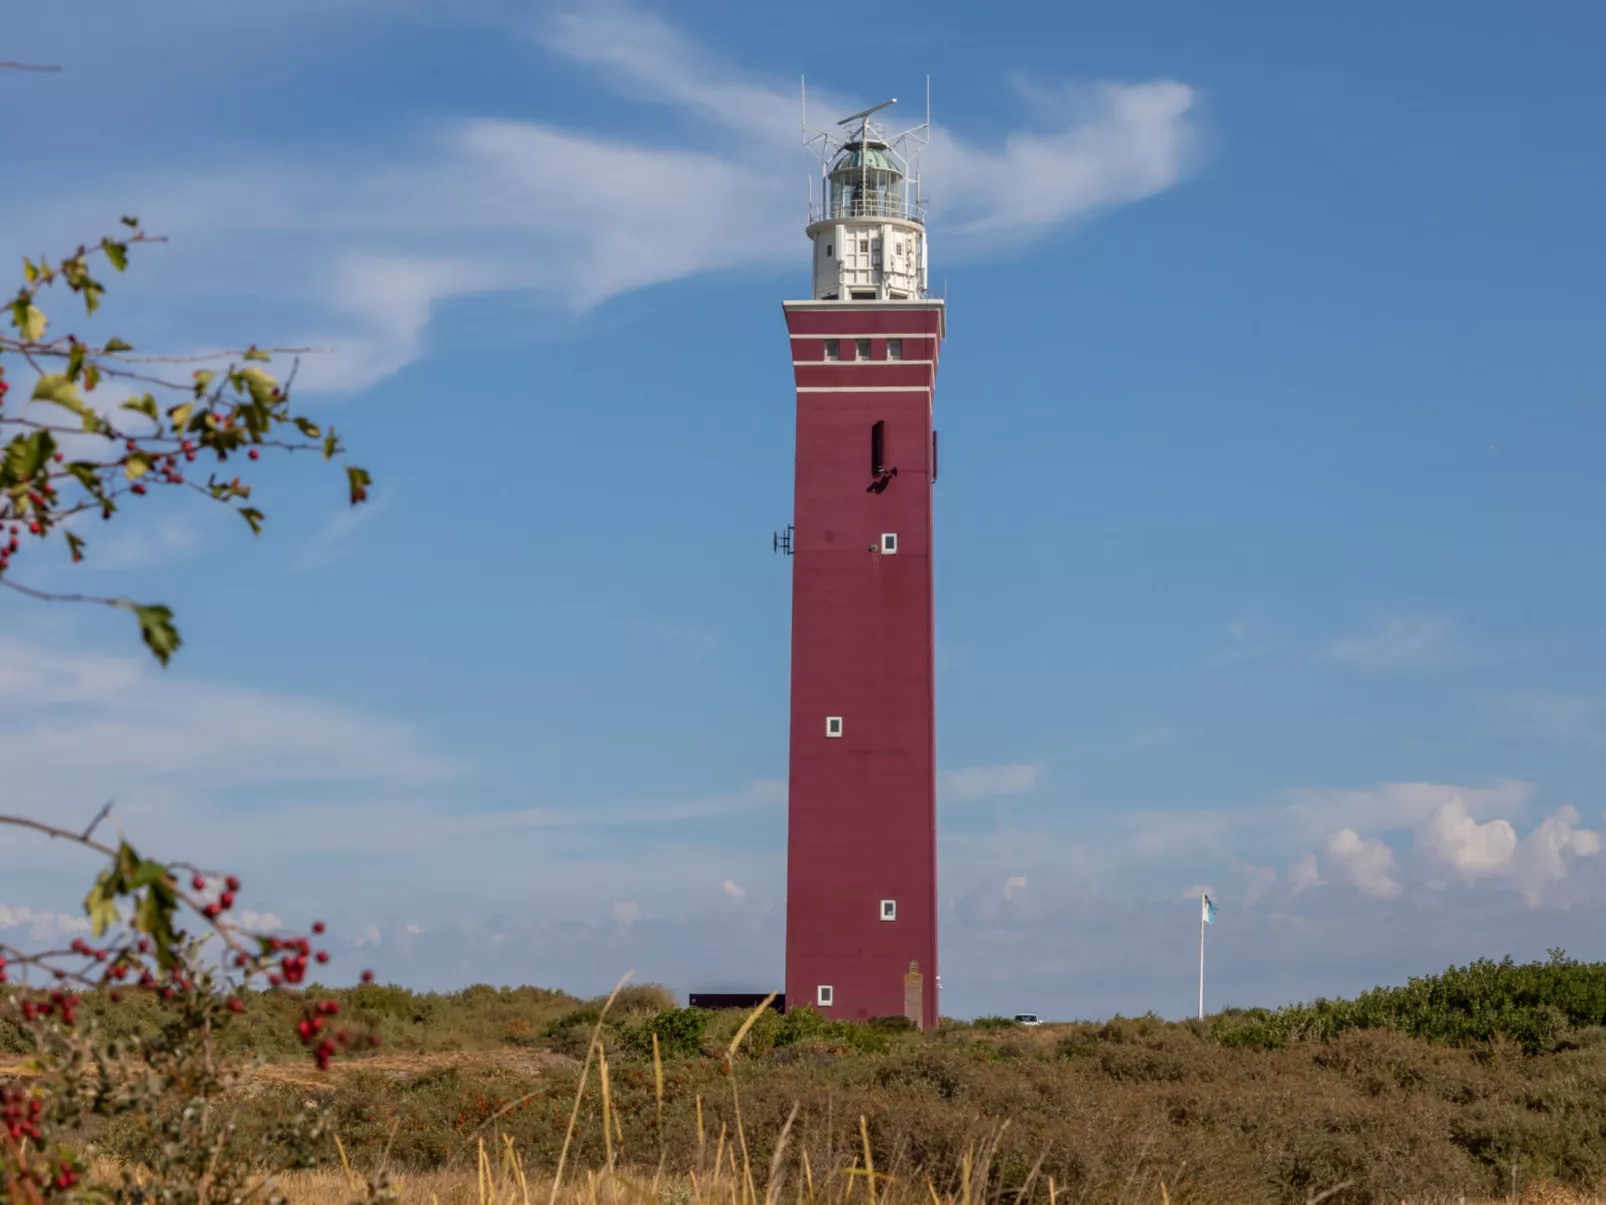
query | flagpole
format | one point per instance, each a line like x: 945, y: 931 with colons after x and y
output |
x: 1201, y: 955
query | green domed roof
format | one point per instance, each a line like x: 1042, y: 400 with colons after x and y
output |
x: 873, y: 158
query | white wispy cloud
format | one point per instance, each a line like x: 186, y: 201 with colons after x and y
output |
x: 972, y: 784
x: 366, y: 244
x: 327, y: 545
x: 1396, y: 642
x: 1568, y: 719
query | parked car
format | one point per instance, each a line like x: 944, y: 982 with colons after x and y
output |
x: 1027, y: 1019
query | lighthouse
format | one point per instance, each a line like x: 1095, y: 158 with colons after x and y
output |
x: 861, y: 898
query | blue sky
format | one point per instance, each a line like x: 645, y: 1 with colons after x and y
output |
x: 1267, y: 527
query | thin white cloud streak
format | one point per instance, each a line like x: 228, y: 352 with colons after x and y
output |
x: 974, y: 784
x: 1566, y: 719
x: 329, y: 543
x: 369, y: 247
x: 77, y: 728
x: 1395, y: 643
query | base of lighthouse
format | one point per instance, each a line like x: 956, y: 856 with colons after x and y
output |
x: 861, y: 921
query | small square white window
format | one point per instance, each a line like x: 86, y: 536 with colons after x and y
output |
x: 864, y: 246
x: 894, y: 349
x: 861, y: 349
x: 833, y: 349
x: 833, y: 725
x: 889, y: 909
x: 823, y: 995
x: 889, y: 543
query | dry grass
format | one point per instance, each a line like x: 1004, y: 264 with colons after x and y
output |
x: 504, y: 1179
x: 1127, y: 1112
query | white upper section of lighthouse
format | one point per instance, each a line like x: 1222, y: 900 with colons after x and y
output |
x: 866, y: 218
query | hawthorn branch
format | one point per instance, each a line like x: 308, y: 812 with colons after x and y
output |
x: 46, y: 596
x: 60, y: 834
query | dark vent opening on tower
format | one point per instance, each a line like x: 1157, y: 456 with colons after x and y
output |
x: 878, y: 457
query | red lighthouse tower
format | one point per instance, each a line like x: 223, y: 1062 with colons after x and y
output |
x: 861, y: 905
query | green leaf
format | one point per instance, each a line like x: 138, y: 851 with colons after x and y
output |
x: 259, y: 383
x: 86, y: 476
x: 75, y: 543
x: 359, y: 481
x: 330, y: 443
x: 132, y: 223
x: 92, y: 296
x: 180, y: 415
x: 146, y: 874
x: 29, y: 272
x: 203, y: 378
x: 75, y: 362
x: 30, y: 323
x: 156, y: 627
x: 254, y: 353
x: 254, y: 517
x: 117, y: 253
x: 58, y: 388
x: 307, y: 427
x: 145, y: 404
x: 136, y: 465
x: 99, y: 905
x: 115, y: 345
x: 25, y: 456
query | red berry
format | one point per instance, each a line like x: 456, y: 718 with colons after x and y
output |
x: 367, y: 976
x: 323, y: 955
x: 254, y: 453
x: 138, y: 488
x: 317, y: 926
x: 198, y: 883
x: 232, y: 883
x: 59, y: 458
x: 236, y: 1005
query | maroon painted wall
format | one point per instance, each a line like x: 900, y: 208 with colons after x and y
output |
x: 861, y: 825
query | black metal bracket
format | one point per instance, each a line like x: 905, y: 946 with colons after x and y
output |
x: 783, y: 540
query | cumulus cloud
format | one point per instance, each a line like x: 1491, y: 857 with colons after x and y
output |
x: 1014, y: 885
x: 734, y: 891
x: 1543, y: 857
x: 1303, y: 875
x: 1451, y: 846
x: 1393, y: 806
x: 43, y: 926
x: 1452, y: 843
x: 1367, y: 864
x: 1453, y: 839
